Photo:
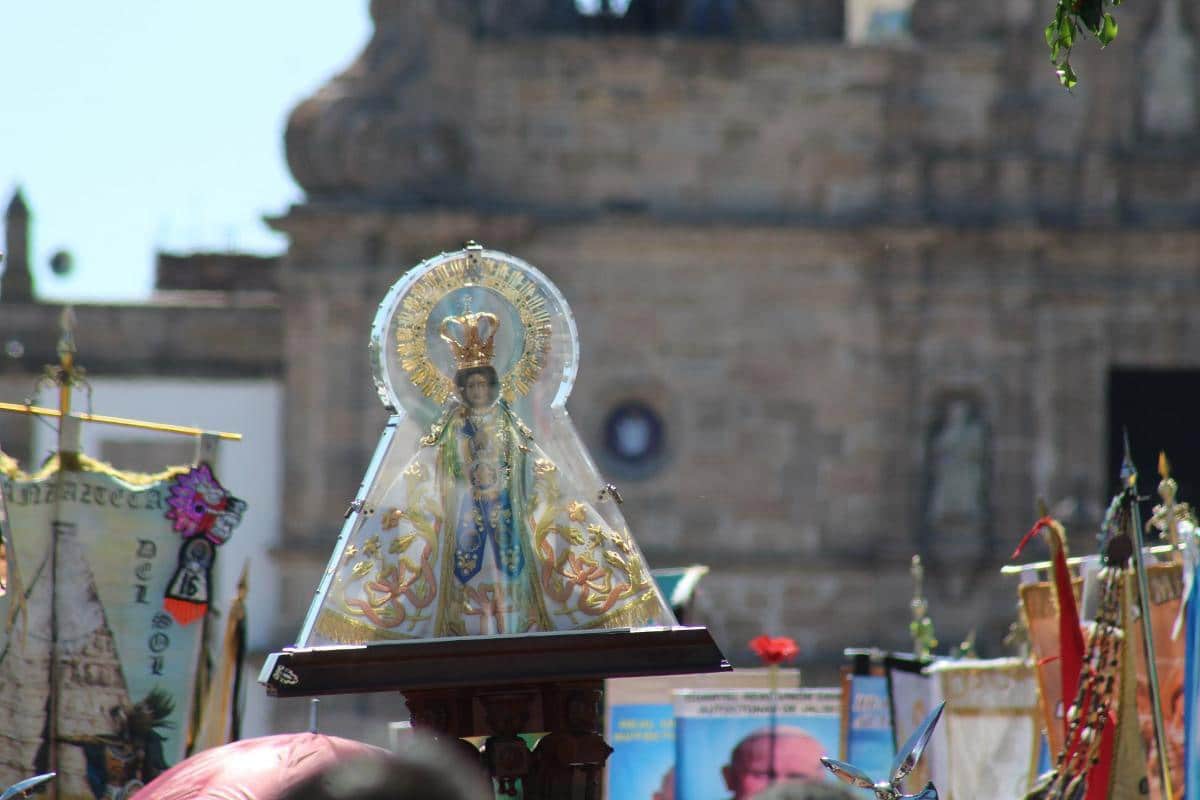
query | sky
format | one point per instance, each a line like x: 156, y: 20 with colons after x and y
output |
x: 151, y: 125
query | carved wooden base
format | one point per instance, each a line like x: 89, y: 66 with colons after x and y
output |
x: 500, y: 686
x: 490, y: 661
x: 567, y: 763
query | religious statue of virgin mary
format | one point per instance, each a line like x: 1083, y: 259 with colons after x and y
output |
x: 481, y: 513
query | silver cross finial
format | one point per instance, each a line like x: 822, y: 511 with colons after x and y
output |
x: 906, y: 761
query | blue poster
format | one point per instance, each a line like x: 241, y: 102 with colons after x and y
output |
x: 869, y: 741
x: 640, y: 724
x: 732, y: 745
x: 643, y: 738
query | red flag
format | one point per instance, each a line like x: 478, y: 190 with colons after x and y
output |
x: 1097, y: 782
x: 1070, y: 633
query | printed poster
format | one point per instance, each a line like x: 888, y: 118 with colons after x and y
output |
x: 108, y: 581
x: 869, y: 743
x: 1040, y: 608
x: 1166, y: 595
x: 735, y: 744
x: 991, y: 728
x: 640, y: 725
x: 912, y: 698
x: 642, y: 766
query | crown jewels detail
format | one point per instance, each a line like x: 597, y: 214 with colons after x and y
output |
x: 471, y: 338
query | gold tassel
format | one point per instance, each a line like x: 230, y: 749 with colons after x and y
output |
x: 215, y: 727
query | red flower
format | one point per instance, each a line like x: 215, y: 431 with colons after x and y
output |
x: 774, y: 649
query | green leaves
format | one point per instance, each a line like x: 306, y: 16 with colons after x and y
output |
x: 1071, y: 18
x: 1067, y: 76
x: 1108, y: 31
x: 1066, y: 32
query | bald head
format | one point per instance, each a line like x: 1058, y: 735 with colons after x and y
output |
x: 750, y: 770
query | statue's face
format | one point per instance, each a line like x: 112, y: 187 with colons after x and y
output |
x: 477, y: 391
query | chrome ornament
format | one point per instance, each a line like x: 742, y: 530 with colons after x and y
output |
x: 906, y: 761
x: 23, y: 788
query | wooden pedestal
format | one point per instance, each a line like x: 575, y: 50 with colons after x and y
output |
x: 499, y: 687
x: 567, y: 763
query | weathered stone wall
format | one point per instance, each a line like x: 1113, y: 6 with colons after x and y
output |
x: 969, y: 130
x: 187, y: 340
x: 216, y: 272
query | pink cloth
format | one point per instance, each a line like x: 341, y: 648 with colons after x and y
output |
x: 253, y: 769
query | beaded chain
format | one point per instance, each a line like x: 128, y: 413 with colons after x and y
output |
x: 1090, y: 712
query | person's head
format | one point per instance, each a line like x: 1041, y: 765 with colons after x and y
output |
x: 423, y: 770
x: 807, y: 790
x: 479, y: 387
x: 797, y: 755
x: 666, y: 790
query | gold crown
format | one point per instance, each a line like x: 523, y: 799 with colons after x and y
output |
x: 471, y: 338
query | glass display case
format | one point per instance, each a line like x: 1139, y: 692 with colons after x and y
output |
x: 482, y: 512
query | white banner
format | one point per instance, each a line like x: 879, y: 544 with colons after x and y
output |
x: 97, y: 665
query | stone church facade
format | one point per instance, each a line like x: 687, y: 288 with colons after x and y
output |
x: 871, y: 299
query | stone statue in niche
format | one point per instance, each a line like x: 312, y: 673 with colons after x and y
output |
x: 956, y: 504
x: 1169, y: 98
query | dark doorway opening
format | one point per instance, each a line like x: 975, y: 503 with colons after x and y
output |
x: 1161, y: 410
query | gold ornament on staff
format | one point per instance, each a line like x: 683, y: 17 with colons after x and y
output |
x: 1170, y: 514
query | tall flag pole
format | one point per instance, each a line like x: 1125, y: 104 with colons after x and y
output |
x: 65, y: 376
x: 1130, y: 498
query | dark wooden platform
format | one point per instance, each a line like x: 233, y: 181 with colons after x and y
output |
x: 491, y: 661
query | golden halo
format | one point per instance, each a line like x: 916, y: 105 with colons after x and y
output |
x: 501, y: 277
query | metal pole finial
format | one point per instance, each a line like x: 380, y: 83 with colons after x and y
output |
x: 66, y: 338
x: 1128, y: 470
x: 312, y: 715
x: 1129, y: 478
x: 1164, y: 515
